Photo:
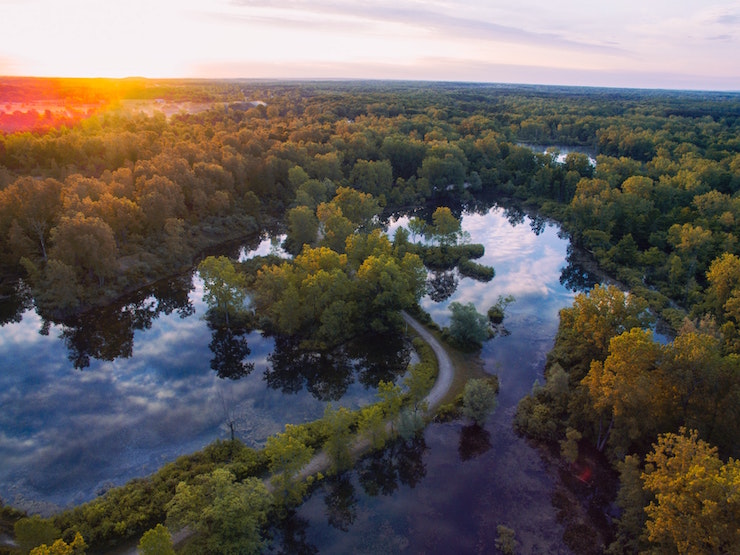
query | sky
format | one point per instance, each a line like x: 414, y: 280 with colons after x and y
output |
x: 674, y: 44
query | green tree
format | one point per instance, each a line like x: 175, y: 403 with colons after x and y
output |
x: 288, y: 453
x: 371, y: 425
x: 226, y: 515
x: 336, y: 426
x: 224, y: 287
x: 632, y: 499
x: 303, y: 228
x: 419, y: 381
x: 157, y: 541
x: 479, y: 400
x: 468, y: 326
x: 33, y: 206
x: 445, y: 226
x: 505, y: 540
x: 87, y: 245
x: 33, y: 531
x: 417, y: 226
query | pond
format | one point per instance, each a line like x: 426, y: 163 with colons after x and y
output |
x: 129, y: 388
x: 122, y: 390
x: 448, y: 491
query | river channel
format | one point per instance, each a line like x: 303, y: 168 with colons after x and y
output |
x: 84, y: 408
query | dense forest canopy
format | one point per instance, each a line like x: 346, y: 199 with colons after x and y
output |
x: 102, y: 205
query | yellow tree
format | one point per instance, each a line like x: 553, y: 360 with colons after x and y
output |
x: 696, y: 508
x: 60, y: 547
x: 588, y: 326
x: 625, y: 391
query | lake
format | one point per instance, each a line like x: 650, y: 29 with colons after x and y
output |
x: 134, y: 386
x: 448, y: 491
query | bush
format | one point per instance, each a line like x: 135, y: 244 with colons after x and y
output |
x: 468, y: 327
x: 479, y: 400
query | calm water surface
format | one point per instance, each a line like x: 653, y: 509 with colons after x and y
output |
x: 447, y: 492
x: 132, y: 387
x: 83, y: 409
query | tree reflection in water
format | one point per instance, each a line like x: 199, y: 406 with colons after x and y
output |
x: 229, y: 349
x: 400, y: 462
x: 15, y: 299
x: 441, y: 285
x: 289, y: 537
x: 108, y: 333
x: 328, y: 375
x: 341, y: 502
x: 474, y: 441
x: 574, y: 275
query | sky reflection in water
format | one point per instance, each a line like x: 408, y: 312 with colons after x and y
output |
x: 467, y: 481
x: 66, y: 433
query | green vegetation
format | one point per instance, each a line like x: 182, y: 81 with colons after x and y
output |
x: 479, y: 399
x: 121, y: 199
x: 326, y: 298
x: 611, y: 385
x: 225, y: 515
x: 157, y: 541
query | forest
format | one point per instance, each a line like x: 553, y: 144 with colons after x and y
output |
x: 92, y: 208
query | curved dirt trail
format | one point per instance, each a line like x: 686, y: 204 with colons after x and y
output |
x: 446, y: 372
x: 321, y: 461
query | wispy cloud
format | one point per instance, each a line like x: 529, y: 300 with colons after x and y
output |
x: 411, y: 14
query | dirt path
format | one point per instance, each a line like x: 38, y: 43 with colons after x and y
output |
x: 321, y: 461
x: 446, y: 371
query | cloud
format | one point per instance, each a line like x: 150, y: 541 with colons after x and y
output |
x: 408, y: 14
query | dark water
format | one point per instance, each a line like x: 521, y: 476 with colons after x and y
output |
x: 447, y: 492
x: 133, y: 387
x: 121, y: 391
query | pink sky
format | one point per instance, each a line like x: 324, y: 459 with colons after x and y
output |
x: 651, y: 44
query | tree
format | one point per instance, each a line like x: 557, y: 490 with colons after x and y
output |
x: 157, y: 541
x: 225, y: 515
x: 479, y: 400
x: 632, y: 499
x: 336, y: 424
x: 468, y: 326
x: 33, y: 206
x: 371, y: 425
x: 505, y: 540
x: 60, y: 547
x: 225, y: 288
x: 417, y: 226
x: 445, y: 226
x: 303, y: 228
x: 33, y: 531
x: 697, y: 497
x: 288, y: 453
x: 359, y: 208
x: 419, y: 381
x: 626, y: 391
x: 587, y: 327
x: 87, y: 245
